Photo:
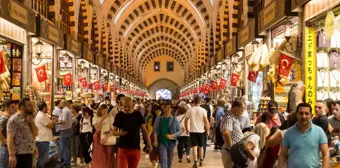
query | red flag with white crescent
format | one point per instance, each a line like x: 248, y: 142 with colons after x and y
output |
x: 2, y: 64
x: 83, y: 82
x: 252, y: 75
x: 213, y: 85
x: 223, y: 82
x: 105, y: 86
x: 96, y: 85
x: 41, y: 73
x: 67, y: 79
x: 112, y: 88
x: 234, y: 79
x: 285, y: 64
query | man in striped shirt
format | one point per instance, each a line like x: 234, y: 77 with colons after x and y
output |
x: 231, y: 131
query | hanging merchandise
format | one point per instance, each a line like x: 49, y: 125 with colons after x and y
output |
x: 259, y: 59
x: 83, y: 81
x: 213, y: 84
x: 234, y: 79
x: 96, y: 85
x: 285, y: 64
x: 223, y: 82
x: 67, y: 79
x: 252, y: 76
x: 41, y: 73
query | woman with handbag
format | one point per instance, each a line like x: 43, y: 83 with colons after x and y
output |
x: 184, y: 138
x: 103, y: 156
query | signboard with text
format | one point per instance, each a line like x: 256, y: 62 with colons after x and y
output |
x: 246, y: 34
x: 310, y: 67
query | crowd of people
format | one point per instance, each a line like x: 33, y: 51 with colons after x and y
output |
x: 108, y: 135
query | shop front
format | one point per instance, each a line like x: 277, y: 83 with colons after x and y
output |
x: 44, y: 60
x: 103, y: 77
x: 236, y: 68
x: 253, y: 75
x: 16, y: 22
x: 325, y: 30
x: 281, y: 54
x: 66, y: 68
x: 111, y: 79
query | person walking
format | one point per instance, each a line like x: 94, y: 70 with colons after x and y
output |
x: 21, y: 132
x: 218, y: 117
x: 129, y: 122
x: 184, y: 138
x: 304, y: 141
x: 166, y: 131
x: 86, y: 136
x: 230, y: 128
x: 45, y: 136
x: 9, y: 110
x: 75, y: 140
x: 199, y: 124
x: 66, y: 134
x: 102, y: 156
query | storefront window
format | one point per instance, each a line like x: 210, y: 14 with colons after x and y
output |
x: 42, y: 70
x: 64, y: 81
x: 82, y: 80
x: 10, y: 70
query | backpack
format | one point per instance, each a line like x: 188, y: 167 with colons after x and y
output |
x: 238, y: 153
x: 264, y: 118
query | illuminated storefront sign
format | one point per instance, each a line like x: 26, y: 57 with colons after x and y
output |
x: 310, y: 67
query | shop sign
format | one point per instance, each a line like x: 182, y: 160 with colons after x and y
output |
x: 72, y: 45
x: 207, y: 65
x: 220, y: 53
x: 297, y: 3
x: 246, y: 34
x: 100, y: 61
x: 18, y: 14
x: 108, y: 65
x: 89, y: 55
x: 310, y: 66
x: 230, y: 48
x: 271, y: 14
x: 50, y: 33
x: 212, y: 61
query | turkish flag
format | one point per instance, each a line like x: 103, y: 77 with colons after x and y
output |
x: 206, y: 92
x: 223, y: 82
x: 202, y: 88
x: 252, y: 75
x: 83, y: 82
x: 285, y: 64
x: 213, y: 85
x: 112, y: 88
x: 105, y: 86
x: 41, y: 73
x: 234, y: 78
x: 2, y: 64
x: 67, y: 79
x: 96, y: 85
x: 195, y: 90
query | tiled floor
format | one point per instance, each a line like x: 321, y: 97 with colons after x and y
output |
x: 213, y: 160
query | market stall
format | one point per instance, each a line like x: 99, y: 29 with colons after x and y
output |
x: 14, y: 48
x: 283, y: 46
x: 44, y: 61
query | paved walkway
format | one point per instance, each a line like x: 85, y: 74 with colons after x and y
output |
x: 213, y: 160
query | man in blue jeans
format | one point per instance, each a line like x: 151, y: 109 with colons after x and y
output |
x: 66, y: 133
x: 42, y: 141
x: 166, y: 130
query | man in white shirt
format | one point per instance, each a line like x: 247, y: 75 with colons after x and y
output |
x: 198, y: 121
x: 57, y: 113
x: 42, y: 141
x: 66, y: 133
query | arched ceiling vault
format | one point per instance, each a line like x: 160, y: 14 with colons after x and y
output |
x: 145, y: 29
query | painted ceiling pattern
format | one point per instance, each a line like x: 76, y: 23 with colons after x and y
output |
x: 131, y: 33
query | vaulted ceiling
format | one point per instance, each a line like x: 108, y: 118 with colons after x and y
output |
x: 185, y: 30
